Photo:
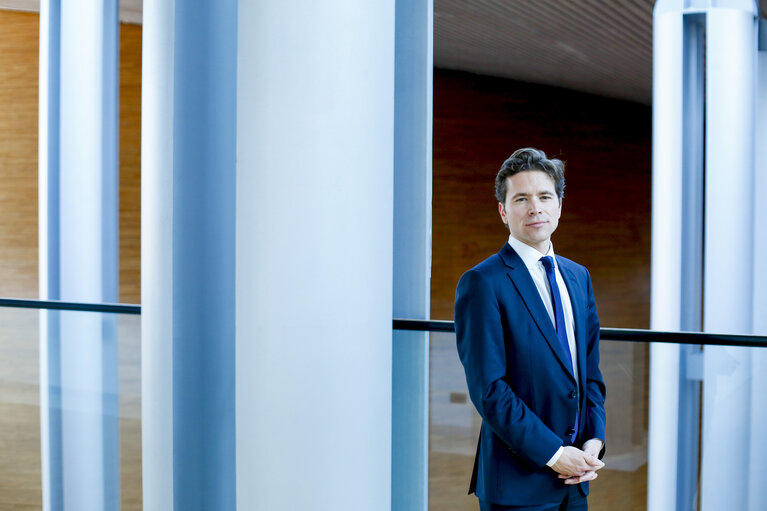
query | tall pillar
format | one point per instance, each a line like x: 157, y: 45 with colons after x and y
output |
x: 315, y: 125
x: 188, y: 255
x: 267, y: 232
x: 705, y: 238
x: 666, y: 289
x: 729, y: 254
x: 78, y: 253
x: 413, y: 116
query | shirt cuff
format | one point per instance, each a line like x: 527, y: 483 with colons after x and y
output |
x: 556, y: 456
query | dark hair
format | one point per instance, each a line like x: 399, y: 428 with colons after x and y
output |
x: 529, y: 158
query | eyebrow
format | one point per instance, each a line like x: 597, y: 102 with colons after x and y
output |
x: 541, y: 192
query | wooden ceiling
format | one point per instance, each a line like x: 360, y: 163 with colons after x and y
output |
x: 600, y: 47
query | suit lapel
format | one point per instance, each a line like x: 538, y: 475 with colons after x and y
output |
x: 525, y: 286
x: 578, y: 319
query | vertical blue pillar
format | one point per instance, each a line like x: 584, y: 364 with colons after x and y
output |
x: 413, y: 86
x: 188, y: 258
x: 78, y: 253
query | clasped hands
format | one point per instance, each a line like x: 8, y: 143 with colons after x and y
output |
x: 576, y: 465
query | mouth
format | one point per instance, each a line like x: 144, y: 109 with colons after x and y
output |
x: 537, y: 224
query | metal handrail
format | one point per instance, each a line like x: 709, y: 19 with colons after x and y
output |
x: 420, y: 325
x: 117, y: 308
x: 617, y: 334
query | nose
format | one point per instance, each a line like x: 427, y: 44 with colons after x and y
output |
x: 535, y: 207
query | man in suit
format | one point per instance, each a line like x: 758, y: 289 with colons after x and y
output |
x: 528, y: 338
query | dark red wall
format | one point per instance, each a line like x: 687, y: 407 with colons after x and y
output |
x: 479, y: 121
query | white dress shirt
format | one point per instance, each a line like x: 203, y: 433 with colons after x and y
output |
x: 532, y: 259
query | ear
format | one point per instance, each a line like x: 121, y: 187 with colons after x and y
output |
x: 502, y: 212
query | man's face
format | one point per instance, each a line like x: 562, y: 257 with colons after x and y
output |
x: 532, y: 208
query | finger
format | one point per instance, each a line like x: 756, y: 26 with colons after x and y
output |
x: 595, y: 462
x: 575, y: 479
x: 589, y: 476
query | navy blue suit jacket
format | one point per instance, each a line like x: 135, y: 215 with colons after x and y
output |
x: 519, y: 377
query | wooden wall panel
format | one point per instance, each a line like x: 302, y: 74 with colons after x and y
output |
x: 605, y: 225
x: 130, y: 163
x: 130, y: 264
x: 18, y: 154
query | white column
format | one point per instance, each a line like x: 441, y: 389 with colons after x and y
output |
x: 157, y: 255
x: 728, y: 278
x: 666, y: 291
x: 78, y: 233
x: 315, y: 123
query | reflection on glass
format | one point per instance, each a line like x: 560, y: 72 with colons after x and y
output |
x: 21, y: 472
x: 734, y: 419
x: 622, y: 484
x: 454, y: 428
x: 20, y: 476
x: 129, y: 356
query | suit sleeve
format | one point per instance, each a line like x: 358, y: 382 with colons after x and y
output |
x: 481, y: 347
x: 595, y: 386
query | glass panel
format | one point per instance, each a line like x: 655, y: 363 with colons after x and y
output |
x: 20, y: 397
x: 622, y: 484
x: 734, y: 419
x: 20, y: 476
x: 410, y: 409
x: 129, y: 353
x: 454, y: 429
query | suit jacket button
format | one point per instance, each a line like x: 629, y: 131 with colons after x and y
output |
x: 573, y: 394
x: 570, y: 432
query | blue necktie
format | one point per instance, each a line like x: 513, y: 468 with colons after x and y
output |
x: 559, y: 315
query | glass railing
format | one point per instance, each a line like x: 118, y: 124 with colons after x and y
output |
x: 454, y: 427
x: 37, y: 441
x: 622, y: 485
x: 70, y: 396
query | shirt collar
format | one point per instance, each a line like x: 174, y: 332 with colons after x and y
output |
x: 530, y: 256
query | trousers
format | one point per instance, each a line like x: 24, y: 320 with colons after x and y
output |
x: 572, y: 501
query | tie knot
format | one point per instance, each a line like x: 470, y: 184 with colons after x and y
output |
x: 548, y: 262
